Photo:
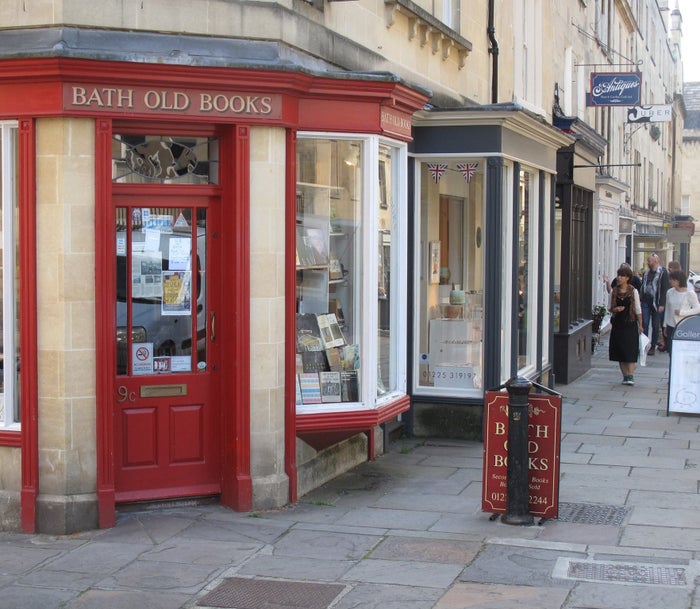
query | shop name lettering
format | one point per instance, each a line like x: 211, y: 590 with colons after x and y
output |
x: 171, y: 101
x: 614, y: 86
x: 400, y: 122
x: 534, y: 462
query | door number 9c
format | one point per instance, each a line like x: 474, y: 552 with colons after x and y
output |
x: 125, y: 394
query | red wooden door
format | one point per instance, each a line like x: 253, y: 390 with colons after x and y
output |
x: 166, y: 441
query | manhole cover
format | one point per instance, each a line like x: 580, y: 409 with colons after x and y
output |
x: 242, y: 593
x: 627, y: 573
x: 591, y: 513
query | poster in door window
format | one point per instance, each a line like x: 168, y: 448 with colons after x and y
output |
x: 177, y: 293
x: 146, y: 274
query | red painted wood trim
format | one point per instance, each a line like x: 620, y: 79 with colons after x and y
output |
x: 105, y: 322
x: 237, y: 486
x: 10, y: 438
x: 34, y: 87
x: 290, y: 279
x: 29, y: 405
x: 360, y: 420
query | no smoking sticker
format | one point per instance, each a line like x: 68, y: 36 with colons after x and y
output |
x: 142, y: 358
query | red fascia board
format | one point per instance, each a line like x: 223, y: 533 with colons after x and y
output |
x: 33, y: 86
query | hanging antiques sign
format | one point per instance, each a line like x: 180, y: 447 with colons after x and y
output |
x: 650, y: 114
x: 615, y: 89
x: 544, y: 434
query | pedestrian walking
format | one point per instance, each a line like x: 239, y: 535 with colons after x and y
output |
x: 626, y: 324
x: 653, y: 297
x: 680, y: 302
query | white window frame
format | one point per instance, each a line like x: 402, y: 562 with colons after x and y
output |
x: 530, y: 367
x: 8, y: 130
x: 507, y: 344
x: 399, y: 263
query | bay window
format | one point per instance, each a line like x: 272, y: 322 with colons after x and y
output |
x: 350, y: 267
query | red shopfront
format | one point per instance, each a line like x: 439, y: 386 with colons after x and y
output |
x: 163, y: 222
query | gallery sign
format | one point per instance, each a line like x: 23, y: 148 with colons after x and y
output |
x: 181, y: 102
x: 615, y: 89
x: 684, y: 373
x: 650, y: 114
x: 544, y: 441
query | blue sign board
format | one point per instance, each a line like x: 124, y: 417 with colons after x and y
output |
x: 615, y: 89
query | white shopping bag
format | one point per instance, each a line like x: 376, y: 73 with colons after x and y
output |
x: 644, y: 343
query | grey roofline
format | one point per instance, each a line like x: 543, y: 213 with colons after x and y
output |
x: 180, y: 50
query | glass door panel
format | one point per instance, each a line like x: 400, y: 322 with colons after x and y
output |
x: 161, y: 295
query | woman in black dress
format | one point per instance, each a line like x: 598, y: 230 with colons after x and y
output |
x: 626, y: 321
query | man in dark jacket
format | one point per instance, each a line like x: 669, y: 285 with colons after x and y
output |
x: 653, y: 296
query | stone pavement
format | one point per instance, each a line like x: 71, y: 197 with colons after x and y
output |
x: 407, y: 531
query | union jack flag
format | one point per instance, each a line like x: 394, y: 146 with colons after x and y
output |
x: 467, y: 170
x: 437, y: 170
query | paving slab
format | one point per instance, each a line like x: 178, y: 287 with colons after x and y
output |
x: 60, y: 580
x: 428, y: 503
x: 327, y: 545
x: 665, y: 499
x: 499, y: 596
x: 263, y: 529
x: 97, y: 557
x: 621, y: 596
x: 297, y: 568
x: 480, y: 526
x: 15, y: 559
x: 660, y: 537
x: 390, y: 518
x: 404, y: 572
x: 146, y: 528
x: 22, y: 597
x: 572, y: 532
x: 388, y: 596
x: 591, y: 440
x: 666, y: 517
x: 427, y: 550
x: 126, y: 599
x: 454, y: 485
x: 572, y: 490
x: 160, y: 576
x: 523, y: 566
x: 201, y: 552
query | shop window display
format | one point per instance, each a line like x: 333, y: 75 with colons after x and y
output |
x: 450, y: 347
x: 351, y: 245
x: 9, y: 271
x: 328, y: 260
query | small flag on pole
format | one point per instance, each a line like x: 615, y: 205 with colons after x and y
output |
x: 467, y: 170
x: 437, y: 170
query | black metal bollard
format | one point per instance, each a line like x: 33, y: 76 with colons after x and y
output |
x: 518, y: 491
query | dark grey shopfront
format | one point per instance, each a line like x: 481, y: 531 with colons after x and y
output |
x: 481, y: 196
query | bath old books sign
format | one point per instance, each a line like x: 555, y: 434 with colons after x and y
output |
x: 544, y: 433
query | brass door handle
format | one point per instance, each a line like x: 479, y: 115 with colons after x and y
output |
x: 213, y: 326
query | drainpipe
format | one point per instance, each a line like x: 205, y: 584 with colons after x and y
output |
x: 494, y: 54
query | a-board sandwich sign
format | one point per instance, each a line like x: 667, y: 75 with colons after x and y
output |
x: 684, y: 375
x: 544, y: 442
